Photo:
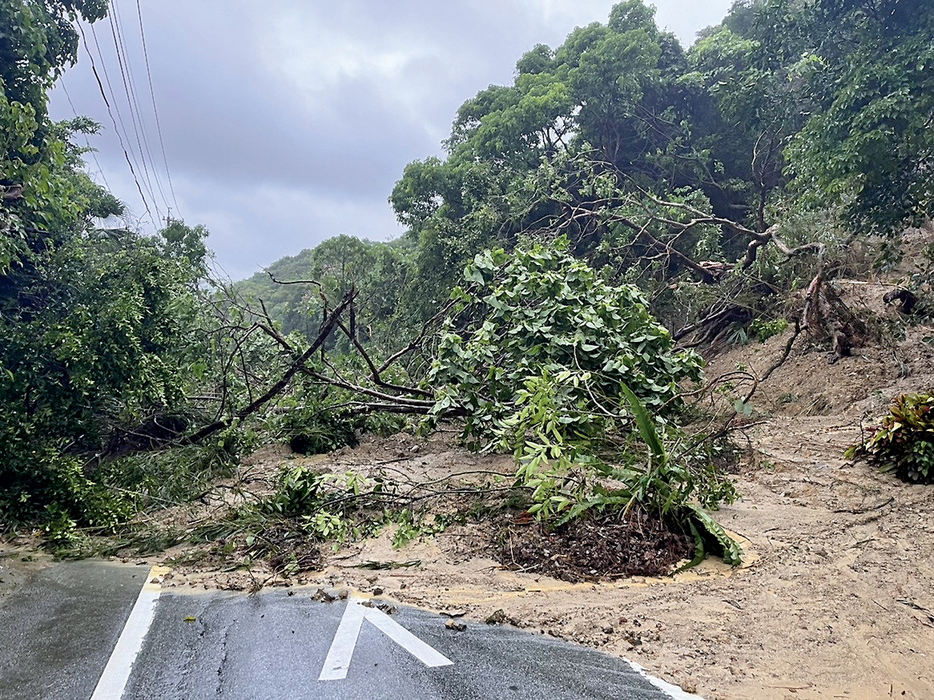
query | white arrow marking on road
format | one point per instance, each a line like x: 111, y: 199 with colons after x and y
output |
x: 341, y: 652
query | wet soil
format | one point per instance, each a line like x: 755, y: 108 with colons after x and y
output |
x: 835, y: 595
x: 604, y: 548
x: 835, y: 598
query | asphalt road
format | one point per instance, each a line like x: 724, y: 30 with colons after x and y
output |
x: 59, y: 625
x: 65, y: 623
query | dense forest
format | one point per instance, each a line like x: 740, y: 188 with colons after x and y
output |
x: 623, y: 201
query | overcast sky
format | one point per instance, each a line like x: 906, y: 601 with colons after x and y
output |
x: 287, y: 122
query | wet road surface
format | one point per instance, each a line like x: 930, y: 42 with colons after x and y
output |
x: 59, y: 629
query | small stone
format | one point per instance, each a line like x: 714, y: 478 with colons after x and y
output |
x: 497, y: 618
x: 455, y: 625
x: 322, y: 596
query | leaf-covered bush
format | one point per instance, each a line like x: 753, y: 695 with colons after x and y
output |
x: 540, y: 331
x: 90, y: 335
x: 904, y: 443
x: 312, y: 432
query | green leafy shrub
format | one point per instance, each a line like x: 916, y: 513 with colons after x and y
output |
x: 544, y: 359
x: 904, y: 443
x: 316, y: 428
x: 313, y: 422
x: 322, y: 505
x: 539, y: 331
x: 312, y: 433
x: 662, y: 486
x: 763, y: 329
x: 300, y: 491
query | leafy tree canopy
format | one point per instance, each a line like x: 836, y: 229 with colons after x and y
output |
x: 784, y: 105
x: 540, y: 315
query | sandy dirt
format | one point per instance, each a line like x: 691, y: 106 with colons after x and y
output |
x: 836, y: 595
x: 835, y: 598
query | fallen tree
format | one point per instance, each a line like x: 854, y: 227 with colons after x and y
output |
x: 534, y: 355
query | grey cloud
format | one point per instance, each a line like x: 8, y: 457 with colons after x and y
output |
x: 288, y: 122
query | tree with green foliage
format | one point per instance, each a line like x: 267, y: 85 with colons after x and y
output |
x: 381, y: 275
x: 609, y: 90
x: 179, y: 241
x: 90, y: 342
x: 37, y: 42
x: 94, y: 323
x: 540, y: 317
x: 780, y: 126
x: 868, y: 146
x: 544, y: 359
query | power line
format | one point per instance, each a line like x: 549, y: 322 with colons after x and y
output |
x: 136, y: 114
x: 155, y: 111
x: 140, y: 159
x: 119, y: 125
x: 110, y: 112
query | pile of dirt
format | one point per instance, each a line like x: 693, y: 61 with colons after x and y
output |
x: 604, y: 548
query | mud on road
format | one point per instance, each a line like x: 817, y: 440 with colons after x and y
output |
x: 837, y: 595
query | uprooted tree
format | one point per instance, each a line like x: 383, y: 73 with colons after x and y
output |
x: 535, y: 355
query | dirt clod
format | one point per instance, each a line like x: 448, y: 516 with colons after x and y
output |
x: 322, y: 596
x: 498, y: 617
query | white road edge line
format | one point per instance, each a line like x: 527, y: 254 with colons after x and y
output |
x: 340, y: 654
x: 113, y: 680
x: 674, y: 691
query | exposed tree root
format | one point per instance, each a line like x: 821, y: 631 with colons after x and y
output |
x: 826, y: 317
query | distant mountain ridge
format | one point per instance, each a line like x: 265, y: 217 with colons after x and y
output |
x: 379, y: 271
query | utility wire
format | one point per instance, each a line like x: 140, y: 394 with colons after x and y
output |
x: 136, y: 115
x: 155, y: 111
x: 140, y: 152
x: 113, y: 119
x: 126, y: 134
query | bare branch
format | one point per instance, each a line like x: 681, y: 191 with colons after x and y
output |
x: 418, y: 340
x: 342, y: 383
x: 286, y: 282
x: 326, y: 328
x: 374, y: 371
